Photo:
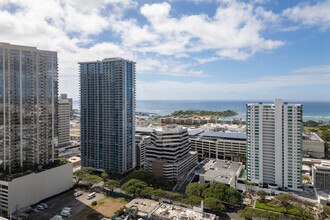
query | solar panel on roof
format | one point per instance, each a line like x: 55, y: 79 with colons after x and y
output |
x: 223, y: 135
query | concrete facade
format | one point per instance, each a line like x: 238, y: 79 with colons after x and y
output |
x: 218, y: 145
x: 321, y: 177
x: 63, y: 123
x: 141, y: 142
x: 32, y: 188
x: 169, y: 153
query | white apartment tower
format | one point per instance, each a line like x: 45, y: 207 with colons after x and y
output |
x: 274, y: 144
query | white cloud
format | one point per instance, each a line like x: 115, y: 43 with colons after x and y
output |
x: 235, y: 27
x: 314, y: 69
x: 165, y: 44
x: 311, y: 14
x: 267, y: 87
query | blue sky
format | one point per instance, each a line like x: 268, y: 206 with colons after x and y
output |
x: 192, y: 49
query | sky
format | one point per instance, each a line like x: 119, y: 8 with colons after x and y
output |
x: 185, y: 50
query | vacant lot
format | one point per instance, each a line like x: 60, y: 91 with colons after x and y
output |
x: 105, y: 207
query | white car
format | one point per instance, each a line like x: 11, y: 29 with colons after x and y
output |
x: 79, y: 193
x: 66, y: 213
x: 36, y: 210
x: 40, y: 207
x: 66, y: 209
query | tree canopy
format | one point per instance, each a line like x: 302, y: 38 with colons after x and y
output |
x: 156, y: 182
x: 111, y: 184
x: 196, y: 189
x: 214, y: 204
x: 91, y: 180
x: 82, y: 173
x: 158, y: 194
x: 192, y: 200
x: 219, y: 191
x: 134, y: 186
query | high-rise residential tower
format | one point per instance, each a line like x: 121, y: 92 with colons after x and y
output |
x: 107, y: 97
x: 274, y: 144
x: 63, y: 122
x: 28, y: 106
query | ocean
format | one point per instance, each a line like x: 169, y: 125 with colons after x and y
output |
x: 311, y: 110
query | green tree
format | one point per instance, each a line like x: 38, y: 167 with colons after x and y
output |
x: 311, y: 123
x: 147, y: 192
x: 111, y: 184
x: 193, y: 200
x: 113, y: 174
x: 134, y: 187
x: 82, y: 173
x: 176, y: 196
x: 214, y: 204
x: 90, y: 180
x: 262, y: 195
x: 172, y: 196
x: 233, y: 196
x: 196, y: 189
x: 216, y: 190
x: 158, y: 194
x: 105, y: 175
x: 139, y: 175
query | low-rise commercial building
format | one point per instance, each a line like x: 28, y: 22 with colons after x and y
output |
x: 221, y: 171
x: 143, y: 208
x: 27, y: 190
x: 218, y: 145
x: 169, y: 153
x: 321, y: 176
x: 313, y: 145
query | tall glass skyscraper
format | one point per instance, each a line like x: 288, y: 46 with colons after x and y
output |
x: 107, y: 98
x: 28, y: 106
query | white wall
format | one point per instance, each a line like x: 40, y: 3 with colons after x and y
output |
x: 27, y: 190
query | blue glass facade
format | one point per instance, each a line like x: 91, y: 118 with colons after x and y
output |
x: 107, y: 95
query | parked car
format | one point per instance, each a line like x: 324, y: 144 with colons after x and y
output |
x: 44, y: 205
x: 40, y: 207
x: 79, y: 193
x: 66, y: 209
x: 36, y: 210
x: 66, y: 213
x: 56, y: 217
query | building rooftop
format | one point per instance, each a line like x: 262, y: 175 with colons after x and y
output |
x: 143, y: 205
x: 222, y: 135
x: 221, y: 171
x: 169, y: 129
x: 143, y: 130
x: 323, y: 167
x: 312, y: 136
x: 167, y: 211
